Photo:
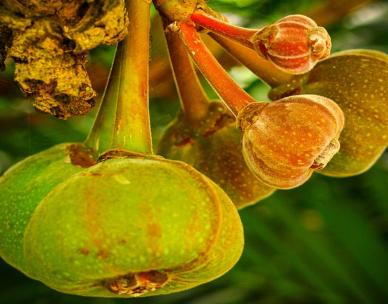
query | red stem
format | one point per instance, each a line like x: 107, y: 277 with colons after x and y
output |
x: 240, y: 34
x: 263, y: 68
x: 231, y: 93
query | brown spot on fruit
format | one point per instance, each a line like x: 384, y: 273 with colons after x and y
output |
x: 81, y: 156
x: 122, y: 242
x: 102, y: 254
x: 84, y: 251
x: 154, y: 230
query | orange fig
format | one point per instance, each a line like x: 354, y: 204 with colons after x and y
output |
x: 286, y: 140
x: 294, y: 43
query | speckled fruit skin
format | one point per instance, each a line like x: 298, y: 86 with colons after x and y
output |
x: 129, y: 226
x: 357, y: 81
x: 294, y: 43
x: 286, y: 140
x: 22, y: 188
x: 213, y: 146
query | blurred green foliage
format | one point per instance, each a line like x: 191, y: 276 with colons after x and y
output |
x: 325, y: 242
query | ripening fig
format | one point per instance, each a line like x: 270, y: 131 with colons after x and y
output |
x: 294, y: 43
x: 89, y: 228
x: 286, y: 140
x: 212, y: 146
x: 357, y: 80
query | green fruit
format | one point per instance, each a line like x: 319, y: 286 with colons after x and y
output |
x: 130, y: 225
x: 213, y: 146
x: 23, y: 187
x: 357, y: 80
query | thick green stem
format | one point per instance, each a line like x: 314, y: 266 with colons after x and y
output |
x: 123, y: 118
x: 193, y: 98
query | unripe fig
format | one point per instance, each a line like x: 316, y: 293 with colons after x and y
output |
x: 286, y: 140
x: 357, y: 80
x: 94, y: 231
x: 212, y: 146
x: 294, y: 43
x: 23, y: 187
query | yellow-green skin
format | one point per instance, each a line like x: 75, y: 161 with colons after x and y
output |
x: 357, y: 80
x: 21, y: 189
x: 213, y: 146
x: 117, y: 227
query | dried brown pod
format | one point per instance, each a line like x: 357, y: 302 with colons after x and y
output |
x: 45, y: 70
x: 50, y: 44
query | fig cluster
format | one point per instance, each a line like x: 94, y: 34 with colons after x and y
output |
x: 107, y: 218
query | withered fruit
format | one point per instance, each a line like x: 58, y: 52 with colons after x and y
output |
x: 86, y: 23
x: 212, y: 146
x: 49, y: 45
x: 294, y: 43
x: 284, y: 141
x: 88, y: 228
x: 45, y: 70
x: 357, y: 80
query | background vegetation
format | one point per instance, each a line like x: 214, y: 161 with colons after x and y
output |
x: 324, y: 242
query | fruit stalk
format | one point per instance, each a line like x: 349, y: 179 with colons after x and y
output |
x: 192, y: 96
x: 234, y: 97
x: 123, y: 118
x: 220, y: 27
x: 263, y: 68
